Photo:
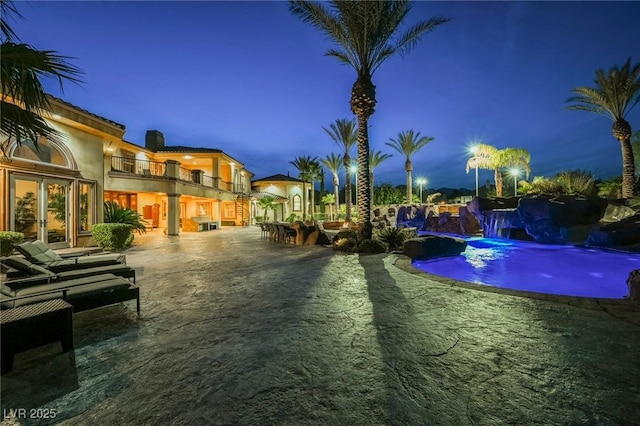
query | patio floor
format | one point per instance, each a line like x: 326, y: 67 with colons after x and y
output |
x: 237, y: 330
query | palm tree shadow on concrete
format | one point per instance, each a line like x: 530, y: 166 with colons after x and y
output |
x: 412, y: 355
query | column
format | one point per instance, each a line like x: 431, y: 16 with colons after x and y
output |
x: 173, y: 214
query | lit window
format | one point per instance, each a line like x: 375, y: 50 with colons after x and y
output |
x: 297, y: 203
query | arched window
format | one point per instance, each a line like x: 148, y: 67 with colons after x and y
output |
x: 47, y: 151
x: 297, y: 203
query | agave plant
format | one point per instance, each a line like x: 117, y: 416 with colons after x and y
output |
x: 113, y: 213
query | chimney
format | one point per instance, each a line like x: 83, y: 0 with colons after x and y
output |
x: 154, y: 140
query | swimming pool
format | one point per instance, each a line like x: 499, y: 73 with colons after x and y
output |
x: 551, y: 269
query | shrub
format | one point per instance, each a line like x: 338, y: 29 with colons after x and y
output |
x: 291, y: 218
x: 345, y: 244
x: 611, y: 188
x: 575, y: 182
x: 113, y: 213
x: 393, y: 237
x: 346, y: 240
x: 6, y: 239
x: 372, y: 246
x: 541, y: 185
x: 112, y: 236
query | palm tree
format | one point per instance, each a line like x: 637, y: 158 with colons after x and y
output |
x: 515, y: 158
x: 491, y: 158
x: 407, y: 144
x: 343, y: 132
x: 303, y: 164
x: 24, y: 100
x: 267, y: 203
x: 375, y: 158
x: 334, y: 163
x: 487, y: 157
x: 364, y: 34
x: 315, y: 173
x: 616, y: 93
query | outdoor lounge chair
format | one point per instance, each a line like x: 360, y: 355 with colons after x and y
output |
x: 82, y: 293
x: 37, y: 252
x: 23, y: 269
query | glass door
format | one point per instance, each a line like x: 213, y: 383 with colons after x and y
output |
x: 57, y: 218
x: 40, y: 209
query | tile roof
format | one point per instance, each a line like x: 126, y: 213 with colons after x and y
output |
x: 178, y: 148
x: 114, y: 123
x: 261, y: 194
x: 278, y: 178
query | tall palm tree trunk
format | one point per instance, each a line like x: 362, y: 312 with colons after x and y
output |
x: 304, y: 202
x: 336, y: 191
x: 364, y: 185
x: 347, y: 187
x: 408, y: 167
x: 371, y: 183
x: 622, y: 131
x: 497, y: 176
x: 313, y: 199
x: 628, y: 168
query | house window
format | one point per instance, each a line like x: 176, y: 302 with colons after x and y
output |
x: 297, y: 203
x: 86, y: 206
x: 46, y: 151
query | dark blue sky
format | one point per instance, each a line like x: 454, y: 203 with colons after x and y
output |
x: 251, y: 79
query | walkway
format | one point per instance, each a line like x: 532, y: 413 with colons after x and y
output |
x: 236, y: 330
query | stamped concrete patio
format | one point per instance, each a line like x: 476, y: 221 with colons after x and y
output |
x: 236, y: 330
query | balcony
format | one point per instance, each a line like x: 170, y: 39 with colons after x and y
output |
x: 157, y: 170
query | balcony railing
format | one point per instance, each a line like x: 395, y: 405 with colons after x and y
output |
x: 137, y: 167
x: 154, y: 168
x: 185, y: 174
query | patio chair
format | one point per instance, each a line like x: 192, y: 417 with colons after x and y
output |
x: 38, y: 252
x: 264, y: 231
x: 82, y: 293
x: 273, y: 232
x: 23, y: 270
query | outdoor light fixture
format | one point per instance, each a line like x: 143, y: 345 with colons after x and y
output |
x: 515, y: 172
x: 421, y: 181
x: 474, y: 151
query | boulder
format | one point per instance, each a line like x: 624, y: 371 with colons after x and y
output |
x: 617, y: 210
x: 433, y: 246
x: 468, y: 223
x: 624, y: 233
x: 561, y: 219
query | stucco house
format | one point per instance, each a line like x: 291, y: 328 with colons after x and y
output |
x: 287, y: 192
x: 55, y: 192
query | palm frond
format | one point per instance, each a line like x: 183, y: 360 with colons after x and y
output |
x: 8, y: 9
x: 23, y: 67
x: 408, y: 143
x: 617, y: 91
x: 333, y: 162
x: 377, y: 157
x: 20, y: 124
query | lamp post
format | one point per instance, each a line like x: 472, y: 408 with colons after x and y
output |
x: 474, y: 151
x: 421, y: 181
x: 354, y: 170
x: 514, y: 173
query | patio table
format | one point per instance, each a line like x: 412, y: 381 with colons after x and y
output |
x: 30, y: 326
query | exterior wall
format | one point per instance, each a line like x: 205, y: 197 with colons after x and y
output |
x: 165, y: 181
x: 85, y: 152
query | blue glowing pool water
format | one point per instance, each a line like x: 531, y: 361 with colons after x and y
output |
x: 552, y: 269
